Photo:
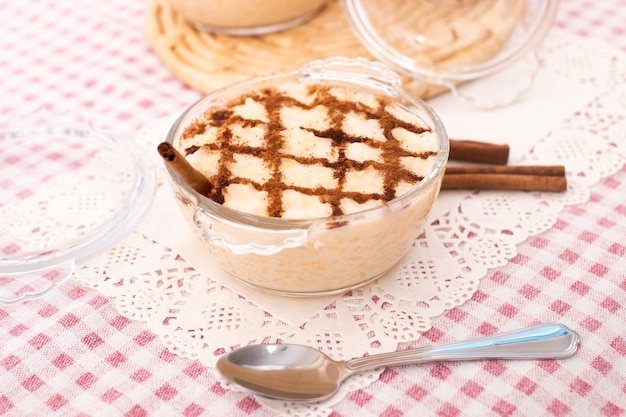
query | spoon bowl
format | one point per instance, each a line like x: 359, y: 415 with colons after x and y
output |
x: 283, y: 371
x: 300, y: 373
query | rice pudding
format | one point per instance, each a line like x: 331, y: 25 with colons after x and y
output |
x: 246, y: 17
x: 316, y: 187
x: 309, y: 152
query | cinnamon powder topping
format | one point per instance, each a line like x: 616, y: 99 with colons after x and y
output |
x: 330, y: 149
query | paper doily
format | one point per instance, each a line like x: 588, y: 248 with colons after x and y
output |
x: 162, y: 277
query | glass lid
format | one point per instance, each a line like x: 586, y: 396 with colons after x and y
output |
x: 67, y: 192
x: 447, y: 41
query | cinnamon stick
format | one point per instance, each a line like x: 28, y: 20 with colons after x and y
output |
x: 474, y: 151
x: 525, y: 177
x: 521, y: 177
x: 183, y: 168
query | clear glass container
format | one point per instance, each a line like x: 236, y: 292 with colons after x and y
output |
x: 68, y: 191
x: 246, y: 17
x: 450, y: 42
x: 320, y: 255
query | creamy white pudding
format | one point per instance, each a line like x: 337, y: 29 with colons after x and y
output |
x: 246, y: 17
x: 316, y: 187
x: 308, y: 151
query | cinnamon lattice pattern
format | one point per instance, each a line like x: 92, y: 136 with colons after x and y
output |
x: 327, y: 153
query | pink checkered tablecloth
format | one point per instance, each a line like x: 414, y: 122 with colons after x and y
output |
x: 72, y: 354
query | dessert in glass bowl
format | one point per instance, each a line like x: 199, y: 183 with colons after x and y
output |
x: 309, y: 182
x: 246, y: 17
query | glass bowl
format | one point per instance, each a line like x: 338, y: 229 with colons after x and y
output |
x: 68, y: 192
x: 453, y: 42
x: 320, y: 255
x: 246, y: 17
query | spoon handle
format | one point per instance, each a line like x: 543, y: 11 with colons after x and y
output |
x: 542, y: 341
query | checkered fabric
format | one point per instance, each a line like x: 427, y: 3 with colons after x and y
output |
x: 72, y: 354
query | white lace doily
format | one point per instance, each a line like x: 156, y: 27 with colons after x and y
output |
x: 573, y: 116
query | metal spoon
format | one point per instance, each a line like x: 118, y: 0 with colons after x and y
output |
x: 301, y: 373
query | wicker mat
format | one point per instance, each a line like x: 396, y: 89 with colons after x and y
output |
x: 207, y: 61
